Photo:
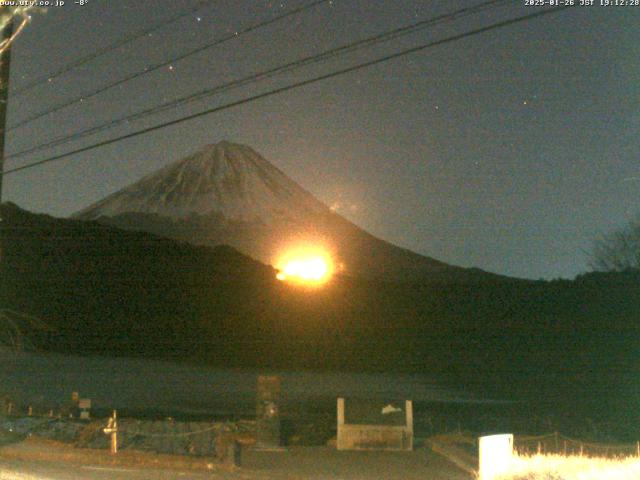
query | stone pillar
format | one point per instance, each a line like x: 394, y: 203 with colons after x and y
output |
x: 268, y: 412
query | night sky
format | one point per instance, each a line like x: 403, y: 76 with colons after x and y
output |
x: 509, y: 150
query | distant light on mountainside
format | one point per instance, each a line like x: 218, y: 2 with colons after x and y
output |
x: 305, y: 265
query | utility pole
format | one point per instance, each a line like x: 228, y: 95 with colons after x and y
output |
x: 5, y: 64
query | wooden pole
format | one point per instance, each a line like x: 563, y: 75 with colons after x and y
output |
x: 114, y: 434
x: 112, y: 431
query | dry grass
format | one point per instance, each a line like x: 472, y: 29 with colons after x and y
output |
x: 559, y: 467
x: 9, y: 475
x: 38, y: 449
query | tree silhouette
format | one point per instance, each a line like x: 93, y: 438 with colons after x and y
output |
x: 15, y: 328
x: 618, y: 251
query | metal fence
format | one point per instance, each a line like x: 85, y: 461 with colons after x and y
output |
x: 556, y: 443
x: 160, y: 436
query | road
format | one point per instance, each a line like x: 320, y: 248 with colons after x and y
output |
x: 24, y: 470
x: 316, y: 463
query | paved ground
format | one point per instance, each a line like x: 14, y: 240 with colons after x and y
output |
x: 26, y: 470
x: 29, y: 461
x: 324, y: 463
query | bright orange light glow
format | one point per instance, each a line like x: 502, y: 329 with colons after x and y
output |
x: 305, y: 265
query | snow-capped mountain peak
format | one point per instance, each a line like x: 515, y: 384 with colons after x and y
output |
x: 225, y: 180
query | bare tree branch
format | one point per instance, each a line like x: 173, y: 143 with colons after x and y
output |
x: 15, y: 328
x: 618, y: 251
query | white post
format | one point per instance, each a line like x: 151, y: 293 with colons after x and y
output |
x: 340, y: 432
x: 495, y: 455
x: 408, y: 408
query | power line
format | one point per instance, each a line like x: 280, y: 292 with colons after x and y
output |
x: 294, y: 86
x: 157, y: 66
x: 309, y: 60
x: 98, y: 53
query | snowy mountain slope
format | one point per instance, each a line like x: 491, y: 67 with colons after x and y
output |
x: 228, y: 194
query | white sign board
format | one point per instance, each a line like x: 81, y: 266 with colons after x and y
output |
x: 496, y: 452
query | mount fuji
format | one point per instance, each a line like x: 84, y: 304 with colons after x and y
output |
x: 227, y: 193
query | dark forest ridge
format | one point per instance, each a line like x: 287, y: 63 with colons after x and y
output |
x: 110, y: 291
